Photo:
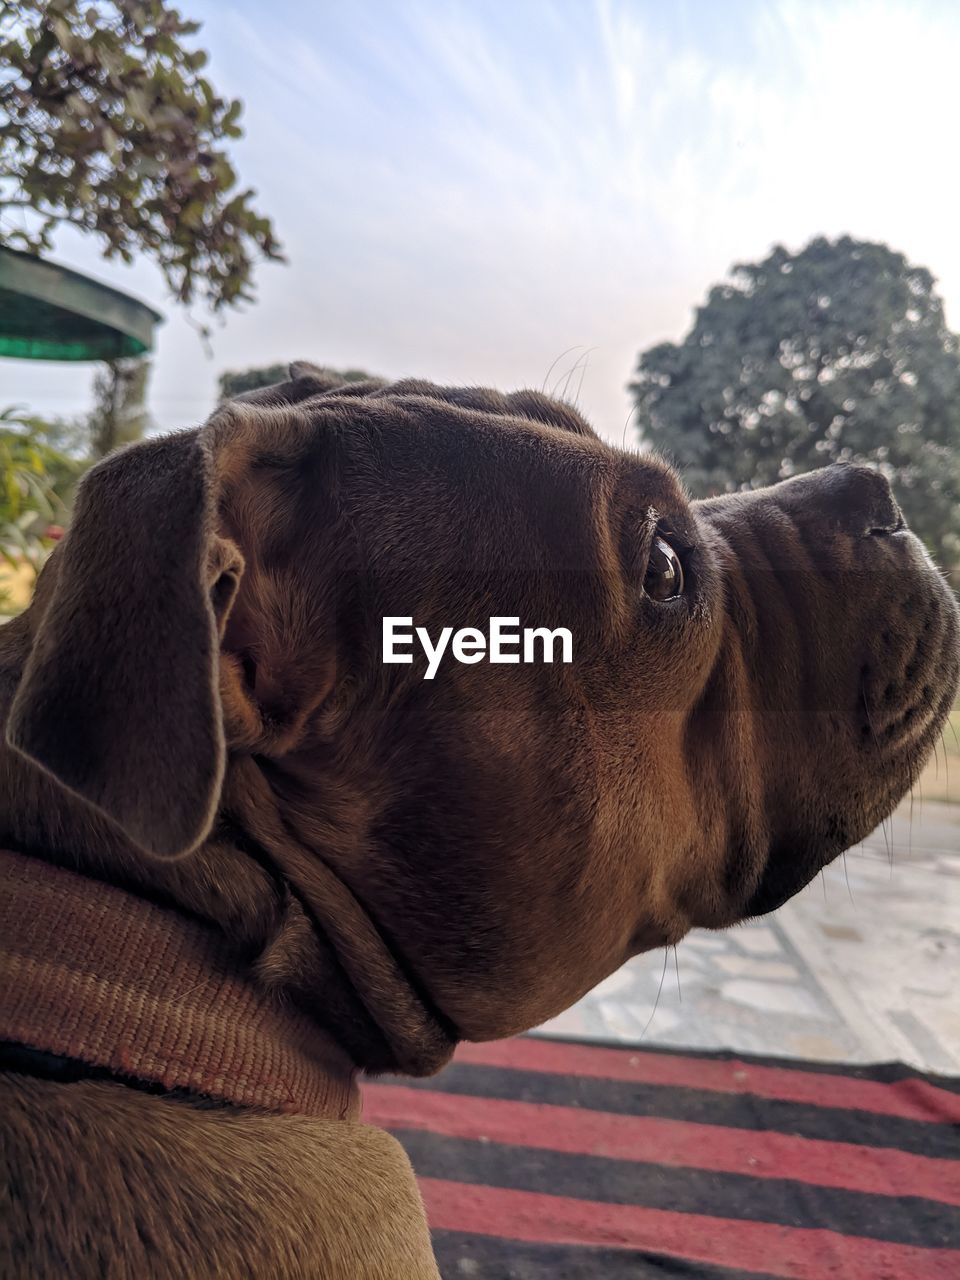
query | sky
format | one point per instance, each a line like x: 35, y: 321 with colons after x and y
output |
x: 530, y: 192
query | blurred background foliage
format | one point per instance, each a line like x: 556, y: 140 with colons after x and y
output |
x: 39, y: 466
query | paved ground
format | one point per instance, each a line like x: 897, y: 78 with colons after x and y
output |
x: 862, y: 966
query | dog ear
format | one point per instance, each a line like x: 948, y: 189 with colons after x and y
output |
x: 119, y: 697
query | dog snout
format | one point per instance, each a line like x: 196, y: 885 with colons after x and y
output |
x: 824, y: 563
x: 911, y: 667
x: 850, y: 498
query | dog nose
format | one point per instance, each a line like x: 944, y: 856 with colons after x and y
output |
x: 856, y: 499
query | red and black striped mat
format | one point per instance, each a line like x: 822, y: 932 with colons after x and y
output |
x: 551, y: 1160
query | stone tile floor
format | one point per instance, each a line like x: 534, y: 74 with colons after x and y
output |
x: 862, y: 966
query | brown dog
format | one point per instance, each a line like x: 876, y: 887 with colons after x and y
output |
x: 207, y: 754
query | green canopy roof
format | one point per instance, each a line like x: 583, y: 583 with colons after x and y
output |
x: 48, y: 312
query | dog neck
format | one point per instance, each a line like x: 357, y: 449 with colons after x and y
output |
x: 94, y: 974
x: 326, y: 950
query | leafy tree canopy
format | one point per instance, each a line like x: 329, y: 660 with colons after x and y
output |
x: 233, y: 384
x: 837, y: 353
x: 107, y: 123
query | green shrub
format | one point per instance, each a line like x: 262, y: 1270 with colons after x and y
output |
x: 36, y: 481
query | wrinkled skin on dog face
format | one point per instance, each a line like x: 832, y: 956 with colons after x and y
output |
x: 423, y: 861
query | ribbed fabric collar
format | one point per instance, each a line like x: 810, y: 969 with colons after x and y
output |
x: 96, y: 974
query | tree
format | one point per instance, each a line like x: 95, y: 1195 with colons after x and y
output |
x: 106, y: 123
x: 233, y: 384
x: 837, y: 353
x: 119, y: 415
x: 36, y: 480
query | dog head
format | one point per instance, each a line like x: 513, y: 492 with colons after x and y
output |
x: 755, y: 682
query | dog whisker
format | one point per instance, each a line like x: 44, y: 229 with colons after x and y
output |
x: 578, y: 364
x: 883, y: 822
x: 626, y: 425
x: 846, y: 876
x: 583, y: 371
x: 676, y: 965
x: 946, y: 764
x: 656, y: 1003
x: 546, y: 376
x: 888, y: 838
x: 565, y: 380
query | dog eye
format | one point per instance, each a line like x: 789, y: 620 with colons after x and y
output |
x: 664, y: 577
